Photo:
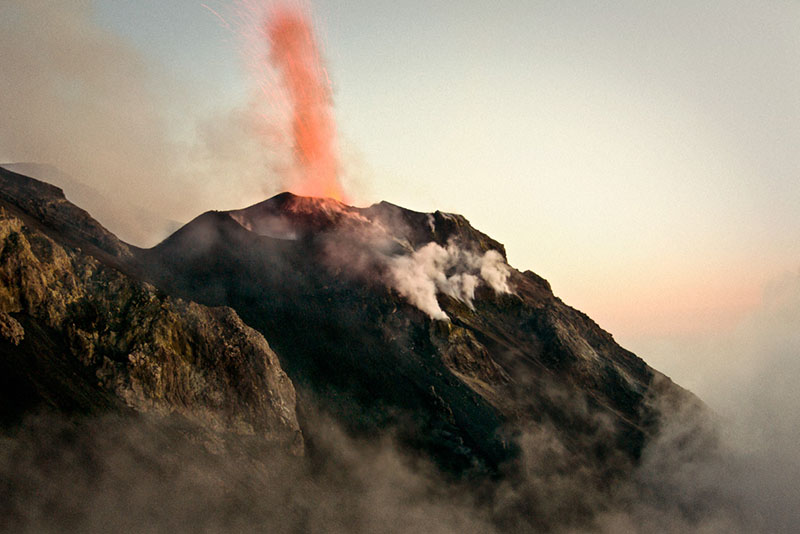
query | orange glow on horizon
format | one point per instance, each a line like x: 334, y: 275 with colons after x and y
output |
x: 682, y: 308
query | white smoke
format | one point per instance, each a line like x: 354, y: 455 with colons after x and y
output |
x: 450, y: 270
x: 495, y: 271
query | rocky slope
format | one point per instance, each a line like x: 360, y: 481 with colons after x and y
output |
x: 78, y: 335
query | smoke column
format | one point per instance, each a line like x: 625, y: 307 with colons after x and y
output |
x: 294, y: 54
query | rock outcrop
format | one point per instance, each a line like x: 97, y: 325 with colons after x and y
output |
x: 78, y: 335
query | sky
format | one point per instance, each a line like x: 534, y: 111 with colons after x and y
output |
x: 640, y: 155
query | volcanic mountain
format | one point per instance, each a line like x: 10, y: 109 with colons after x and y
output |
x: 387, y: 321
x: 389, y: 318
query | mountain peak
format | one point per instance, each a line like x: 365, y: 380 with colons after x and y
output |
x: 290, y: 202
x: 288, y: 216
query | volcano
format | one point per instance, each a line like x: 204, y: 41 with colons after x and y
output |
x: 461, y: 381
x: 387, y: 321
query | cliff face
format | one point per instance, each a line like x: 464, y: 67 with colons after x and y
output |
x: 79, y: 336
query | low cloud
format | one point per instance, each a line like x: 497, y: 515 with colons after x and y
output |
x: 142, y: 474
x: 748, y: 376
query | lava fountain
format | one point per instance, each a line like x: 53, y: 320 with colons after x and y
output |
x: 295, y: 57
x: 295, y: 99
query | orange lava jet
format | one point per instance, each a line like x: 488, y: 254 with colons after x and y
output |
x: 295, y: 56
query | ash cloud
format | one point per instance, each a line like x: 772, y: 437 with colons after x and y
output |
x: 379, y: 247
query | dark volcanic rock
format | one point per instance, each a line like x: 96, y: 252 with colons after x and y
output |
x: 79, y: 336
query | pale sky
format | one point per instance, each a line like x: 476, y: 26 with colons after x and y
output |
x: 641, y: 156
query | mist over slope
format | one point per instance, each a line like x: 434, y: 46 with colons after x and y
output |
x: 437, y: 387
x: 131, y: 223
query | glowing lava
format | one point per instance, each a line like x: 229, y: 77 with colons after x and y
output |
x: 295, y: 56
x: 295, y: 104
